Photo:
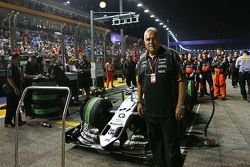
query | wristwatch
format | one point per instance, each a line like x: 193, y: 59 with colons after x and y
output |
x: 181, y: 106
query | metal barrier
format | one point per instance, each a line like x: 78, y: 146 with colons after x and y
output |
x: 63, y: 118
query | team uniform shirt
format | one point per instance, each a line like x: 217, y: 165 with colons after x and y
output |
x: 30, y: 70
x: 14, y: 73
x: 109, y: 67
x: 244, y: 63
x: 205, y: 66
x: 85, y: 66
x: 85, y: 76
x: 130, y: 68
x: 189, y: 67
x: 160, y: 97
x: 219, y: 66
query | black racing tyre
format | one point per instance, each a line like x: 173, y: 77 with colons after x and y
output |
x: 96, y: 113
x: 45, y: 103
x: 138, y: 126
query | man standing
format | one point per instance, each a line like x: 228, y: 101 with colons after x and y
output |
x: 84, y: 68
x: 109, y: 68
x: 204, y: 69
x: 243, y: 62
x: 130, y: 72
x: 234, y: 70
x: 219, y: 65
x: 161, y: 83
x: 13, y: 81
x: 29, y: 73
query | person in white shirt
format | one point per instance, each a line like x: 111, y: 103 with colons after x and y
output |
x: 243, y: 63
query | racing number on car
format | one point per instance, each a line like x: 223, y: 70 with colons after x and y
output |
x: 111, y: 132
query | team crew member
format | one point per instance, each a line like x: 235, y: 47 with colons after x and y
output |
x: 162, y: 85
x: 47, y: 68
x: 130, y: 72
x: 109, y: 68
x: 29, y: 73
x: 85, y: 76
x: 234, y: 70
x: 204, y: 70
x: 189, y: 67
x: 219, y: 65
x: 243, y: 63
x: 198, y: 61
x: 14, y: 82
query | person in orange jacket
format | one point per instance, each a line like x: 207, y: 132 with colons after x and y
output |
x: 219, y: 65
x: 109, y: 68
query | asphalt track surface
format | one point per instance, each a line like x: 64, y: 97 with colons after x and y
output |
x: 41, y: 147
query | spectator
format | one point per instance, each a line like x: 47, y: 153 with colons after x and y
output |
x: 70, y: 66
x: 2, y: 53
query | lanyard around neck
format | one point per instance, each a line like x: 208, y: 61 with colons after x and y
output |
x: 152, y: 64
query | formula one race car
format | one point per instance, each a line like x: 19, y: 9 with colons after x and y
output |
x: 119, y: 132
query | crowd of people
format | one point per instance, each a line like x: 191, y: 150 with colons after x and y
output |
x: 215, y: 70
x: 41, y: 56
x: 162, y: 74
x: 48, y: 45
x: 42, y: 42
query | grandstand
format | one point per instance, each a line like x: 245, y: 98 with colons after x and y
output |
x: 52, y: 30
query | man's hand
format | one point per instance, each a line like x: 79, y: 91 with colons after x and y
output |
x: 191, y: 75
x: 140, y: 109
x: 179, y: 113
x: 39, y: 76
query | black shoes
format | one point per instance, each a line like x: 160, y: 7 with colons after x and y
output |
x: 9, y: 125
x: 223, y: 98
x: 201, y: 95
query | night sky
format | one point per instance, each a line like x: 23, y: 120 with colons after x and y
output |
x: 189, y: 19
x: 205, y: 19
